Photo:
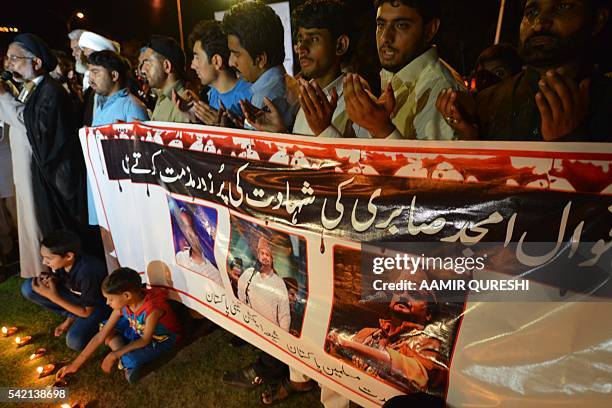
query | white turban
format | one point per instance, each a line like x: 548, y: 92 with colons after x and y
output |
x: 97, y: 43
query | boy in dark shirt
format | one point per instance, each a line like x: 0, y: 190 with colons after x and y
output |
x: 72, y: 289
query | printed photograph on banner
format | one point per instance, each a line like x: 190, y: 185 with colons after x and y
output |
x: 268, y: 272
x: 405, y: 340
x: 193, y: 229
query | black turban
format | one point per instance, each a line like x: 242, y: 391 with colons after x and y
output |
x: 39, y: 48
x: 170, y: 50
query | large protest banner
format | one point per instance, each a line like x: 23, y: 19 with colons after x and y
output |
x: 193, y: 208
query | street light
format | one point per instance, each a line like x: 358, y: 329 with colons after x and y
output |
x: 78, y: 14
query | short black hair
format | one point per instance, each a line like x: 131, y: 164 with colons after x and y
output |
x: 213, y: 40
x: 111, y: 61
x: 595, y: 4
x: 324, y: 14
x: 428, y: 9
x: 258, y: 28
x: 61, y: 242
x: 502, y: 52
x: 168, y: 48
x: 122, y: 280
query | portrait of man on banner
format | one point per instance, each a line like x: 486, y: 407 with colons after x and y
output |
x: 194, y: 229
x: 405, y: 341
x: 267, y: 270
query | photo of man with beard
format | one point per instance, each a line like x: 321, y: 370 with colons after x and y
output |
x: 404, y: 338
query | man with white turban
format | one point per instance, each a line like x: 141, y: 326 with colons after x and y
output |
x: 91, y: 42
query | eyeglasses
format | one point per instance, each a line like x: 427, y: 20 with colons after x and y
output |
x: 15, y: 58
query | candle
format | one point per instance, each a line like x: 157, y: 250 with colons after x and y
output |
x: 38, y: 354
x: 20, y: 341
x: 45, y: 371
x: 8, y: 331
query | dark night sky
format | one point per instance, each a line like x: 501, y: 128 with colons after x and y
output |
x: 468, y: 25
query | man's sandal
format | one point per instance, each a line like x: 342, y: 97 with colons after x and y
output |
x: 284, y: 390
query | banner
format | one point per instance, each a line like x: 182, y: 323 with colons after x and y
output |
x: 470, y: 270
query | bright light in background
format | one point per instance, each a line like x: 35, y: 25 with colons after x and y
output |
x: 80, y: 15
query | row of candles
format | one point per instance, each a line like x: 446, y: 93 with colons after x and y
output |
x: 42, y: 371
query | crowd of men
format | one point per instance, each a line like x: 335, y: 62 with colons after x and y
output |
x: 548, y: 88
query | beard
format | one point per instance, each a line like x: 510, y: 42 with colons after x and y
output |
x: 543, y: 50
x: 26, y: 75
x: 80, y: 67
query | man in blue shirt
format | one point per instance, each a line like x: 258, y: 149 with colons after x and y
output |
x: 255, y: 38
x: 114, y: 102
x: 211, y: 64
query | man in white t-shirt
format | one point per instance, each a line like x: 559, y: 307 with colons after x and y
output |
x: 263, y: 290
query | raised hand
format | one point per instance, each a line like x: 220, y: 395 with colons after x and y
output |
x: 563, y: 104
x: 317, y: 108
x: 229, y: 119
x: 184, y: 104
x: 269, y: 120
x: 454, y: 114
x: 205, y: 113
x: 367, y: 111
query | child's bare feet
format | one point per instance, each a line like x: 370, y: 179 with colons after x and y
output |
x: 63, y: 328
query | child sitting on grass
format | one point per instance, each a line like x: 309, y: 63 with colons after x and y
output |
x: 141, y: 328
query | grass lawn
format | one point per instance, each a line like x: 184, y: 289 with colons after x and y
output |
x: 191, y: 379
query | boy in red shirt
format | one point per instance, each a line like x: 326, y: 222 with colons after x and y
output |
x: 141, y: 328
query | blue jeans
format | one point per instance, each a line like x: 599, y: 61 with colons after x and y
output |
x: 83, y: 329
x: 137, y: 358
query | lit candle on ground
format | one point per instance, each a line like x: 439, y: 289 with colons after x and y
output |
x: 45, y: 371
x: 20, y: 341
x: 8, y: 331
x: 38, y: 354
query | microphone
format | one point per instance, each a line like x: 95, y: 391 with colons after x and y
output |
x: 6, y: 75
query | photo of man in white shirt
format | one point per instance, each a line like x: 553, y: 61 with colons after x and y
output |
x: 193, y: 256
x: 262, y: 289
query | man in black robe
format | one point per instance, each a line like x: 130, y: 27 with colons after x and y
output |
x: 58, y: 168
